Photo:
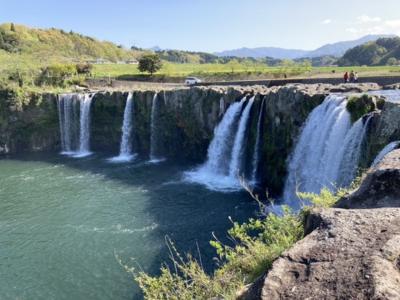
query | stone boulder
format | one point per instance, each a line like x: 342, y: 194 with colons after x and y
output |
x: 380, y: 188
x: 349, y: 253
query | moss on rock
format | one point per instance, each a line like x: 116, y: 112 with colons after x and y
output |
x: 359, y: 106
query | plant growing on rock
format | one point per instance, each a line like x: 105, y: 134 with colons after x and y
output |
x: 256, y: 244
x: 360, y: 106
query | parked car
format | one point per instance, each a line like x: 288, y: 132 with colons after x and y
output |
x: 192, y: 81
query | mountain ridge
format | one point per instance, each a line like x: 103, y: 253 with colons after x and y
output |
x: 337, y: 49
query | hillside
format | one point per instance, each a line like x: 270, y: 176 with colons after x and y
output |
x: 45, y: 44
x: 335, y: 49
x: 384, y: 51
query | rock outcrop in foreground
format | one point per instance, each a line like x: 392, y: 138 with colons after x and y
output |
x: 349, y: 253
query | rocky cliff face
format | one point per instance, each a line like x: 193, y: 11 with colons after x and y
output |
x: 349, y: 253
x: 186, y: 120
x: 29, y: 126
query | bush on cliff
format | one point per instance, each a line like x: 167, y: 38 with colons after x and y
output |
x: 360, y: 106
x: 256, y: 244
x: 56, y: 74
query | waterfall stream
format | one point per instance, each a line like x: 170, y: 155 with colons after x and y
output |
x: 225, y: 153
x: 328, y: 151
x: 154, y: 132
x: 84, y: 121
x: 385, y: 151
x: 125, y: 153
x: 236, y: 165
x: 257, y: 147
x: 74, y: 130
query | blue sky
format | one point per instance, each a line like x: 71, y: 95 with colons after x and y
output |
x: 211, y: 25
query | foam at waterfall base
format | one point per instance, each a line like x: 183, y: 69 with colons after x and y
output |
x: 212, y: 181
x: 76, y: 154
x: 156, y: 160
x: 123, y: 158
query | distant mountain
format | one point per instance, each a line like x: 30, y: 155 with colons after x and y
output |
x: 274, y: 52
x: 340, y: 48
x: 336, y: 49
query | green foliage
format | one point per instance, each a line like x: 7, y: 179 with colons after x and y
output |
x: 360, y: 106
x: 150, y: 63
x: 58, y: 45
x: 56, y: 74
x: 9, y: 40
x: 384, y: 51
x: 256, y: 245
x: 325, y: 199
x: 392, y: 61
x: 84, y: 68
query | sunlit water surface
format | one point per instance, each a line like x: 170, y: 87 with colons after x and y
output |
x: 65, y: 223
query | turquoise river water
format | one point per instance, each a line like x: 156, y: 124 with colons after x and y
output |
x: 65, y: 223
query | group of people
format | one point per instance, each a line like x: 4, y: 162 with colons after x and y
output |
x: 352, y: 77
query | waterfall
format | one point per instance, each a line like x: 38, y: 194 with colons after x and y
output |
x: 125, y: 153
x: 327, y: 152
x: 257, y: 147
x: 154, y: 132
x: 216, y: 172
x: 68, y: 117
x: 71, y: 127
x: 236, y: 165
x: 385, y: 151
x: 352, y: 151
x: 84, y: 121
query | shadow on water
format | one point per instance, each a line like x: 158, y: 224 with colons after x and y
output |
x: 187, y: 213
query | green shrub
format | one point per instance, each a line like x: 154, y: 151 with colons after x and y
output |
x: 359, y: 106
x: 84, y: 68
x: 380, y: 103
x: 257, y: 244
x: 56, y: 74
x: 325, y: 199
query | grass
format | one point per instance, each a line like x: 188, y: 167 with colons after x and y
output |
x: 242, y: 71
x: 30, y: 65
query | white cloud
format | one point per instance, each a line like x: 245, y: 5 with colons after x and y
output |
x: 367, y: 19
x: 393, y: 24
x: 364, y: 25
x: 326, y: 22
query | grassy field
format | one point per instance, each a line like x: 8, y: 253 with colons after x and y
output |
x: 239, y: 71
x: 30, y: 66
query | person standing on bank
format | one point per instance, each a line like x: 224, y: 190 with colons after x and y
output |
x: 352, y: 76
x: 346, y: 77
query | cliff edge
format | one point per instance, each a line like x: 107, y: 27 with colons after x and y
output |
x: 352, y: 252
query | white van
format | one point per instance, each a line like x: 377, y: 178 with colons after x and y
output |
x: 192, y: 81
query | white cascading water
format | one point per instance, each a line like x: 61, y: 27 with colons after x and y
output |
x: 236, y: 165
x: 328, y: 151
x: 68, y: 119
x: 74, y: 130
x: 385, y: 151
x: 84, y: 121
x: 351, y: 149
x: 215, y: 173
x: 257, y: 147
x: 154, y: 151
x: 125, y: 153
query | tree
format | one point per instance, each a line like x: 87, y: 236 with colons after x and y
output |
x: 392, y: 61
x: 150, y: 63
